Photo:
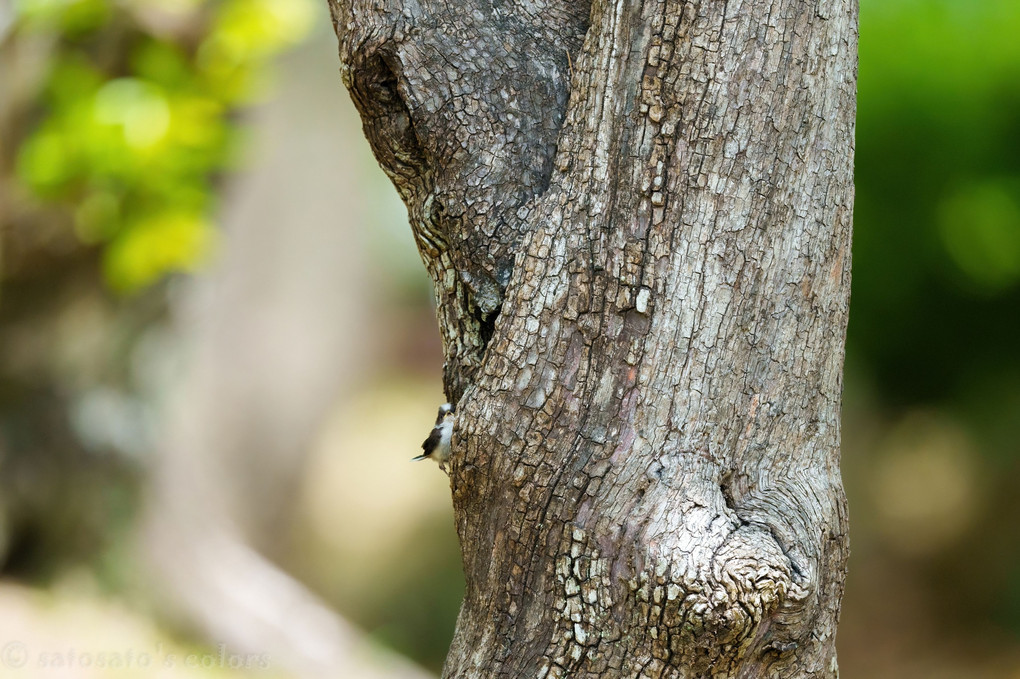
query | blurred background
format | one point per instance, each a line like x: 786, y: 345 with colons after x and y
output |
x: 218, y: 353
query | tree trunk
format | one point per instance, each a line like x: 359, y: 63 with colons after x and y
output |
x: 637, y: 216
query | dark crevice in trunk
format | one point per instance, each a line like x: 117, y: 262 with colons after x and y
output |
x: 487, y: 326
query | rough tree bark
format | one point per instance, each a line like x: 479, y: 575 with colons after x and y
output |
x: 637, y: 217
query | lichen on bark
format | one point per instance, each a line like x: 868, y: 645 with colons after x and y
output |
x: 637, y: 220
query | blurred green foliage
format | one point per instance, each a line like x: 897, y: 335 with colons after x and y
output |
x: 137, y: 116
x: 937, y: 246
x: 935, y: 317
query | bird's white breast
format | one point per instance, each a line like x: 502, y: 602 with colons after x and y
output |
x: 445, y: 434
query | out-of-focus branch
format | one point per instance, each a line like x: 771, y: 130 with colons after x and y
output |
x: 240, y: 598
x: 269, y: 348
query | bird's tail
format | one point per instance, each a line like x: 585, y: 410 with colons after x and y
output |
x: 419, y: 457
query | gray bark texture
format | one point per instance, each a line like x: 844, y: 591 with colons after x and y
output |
x: 637, y: 217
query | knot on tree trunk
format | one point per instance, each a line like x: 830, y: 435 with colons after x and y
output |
x: 695, y: 602
x: 750, y: 578
x: 707, y: 607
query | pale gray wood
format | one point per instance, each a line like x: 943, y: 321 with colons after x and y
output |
x: 637, y: 216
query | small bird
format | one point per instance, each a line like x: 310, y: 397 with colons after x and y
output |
x: 437, y: 445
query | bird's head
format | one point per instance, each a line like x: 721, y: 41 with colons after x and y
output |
x: 446, y: 413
